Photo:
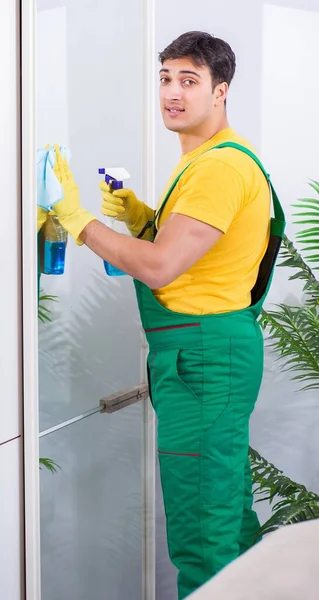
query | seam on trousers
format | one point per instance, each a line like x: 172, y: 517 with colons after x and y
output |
x: 192, y: 454
x: 205, y: 504
x: 201, y: 459
x: 232, y: 441
x: 171, y: 327
x: 233, y: 416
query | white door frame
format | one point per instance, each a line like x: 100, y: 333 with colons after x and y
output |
x: 29, y: 305
x: 149, y: 437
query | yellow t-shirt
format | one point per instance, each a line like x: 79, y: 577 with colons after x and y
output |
x: 226, y: 189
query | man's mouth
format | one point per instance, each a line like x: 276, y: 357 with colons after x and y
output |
x: 174, y: 110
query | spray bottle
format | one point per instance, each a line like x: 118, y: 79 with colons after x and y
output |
x: 54, y: 240
x: 113, y: 177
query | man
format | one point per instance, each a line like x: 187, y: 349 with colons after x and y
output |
x: 199, y: 299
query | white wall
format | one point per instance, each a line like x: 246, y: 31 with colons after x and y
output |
x: 11, y: 512
x: 273, y: 101
x: 290, y: 128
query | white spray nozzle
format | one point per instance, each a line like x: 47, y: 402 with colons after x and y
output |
x: 117, y: 173
x: 114, y: 176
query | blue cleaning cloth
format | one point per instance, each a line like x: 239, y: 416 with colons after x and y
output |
x: 49, y: 189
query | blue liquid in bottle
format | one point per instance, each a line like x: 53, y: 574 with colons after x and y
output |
x: 112, y: 271
x: 55, y: 240
x: 54, y: 257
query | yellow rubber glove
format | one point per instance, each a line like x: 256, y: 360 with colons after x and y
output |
x: 71, y: 215
x: 41, y: 217
x: 123, y: 205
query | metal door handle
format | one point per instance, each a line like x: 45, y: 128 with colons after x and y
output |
x: 120, y: 400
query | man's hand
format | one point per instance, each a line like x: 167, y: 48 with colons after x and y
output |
x: 119, y: 204
x: 123, y: 205
x: 71, y: 215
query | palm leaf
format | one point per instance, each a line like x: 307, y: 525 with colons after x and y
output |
x: 293, y: 335
x: 293, y: 259
x: 49, y: 464
x: 315, y: 185
x: 294, y: 502
x: 309, y: 238
x: 44, y: 311
x: 295, y: 512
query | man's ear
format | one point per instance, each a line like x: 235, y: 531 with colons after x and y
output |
x: 220, y: 93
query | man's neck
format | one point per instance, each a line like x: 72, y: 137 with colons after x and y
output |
x: 191, y: 141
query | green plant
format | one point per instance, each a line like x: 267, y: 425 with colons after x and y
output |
x: 49, y: 464
x: 44, y: 316
x: 43, y: 310
x: 291, y: 502
x: 293, y: 334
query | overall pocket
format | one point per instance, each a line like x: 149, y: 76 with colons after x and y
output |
x: 176, y: 396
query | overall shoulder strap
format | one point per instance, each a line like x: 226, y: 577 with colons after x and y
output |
x: 278, y: 211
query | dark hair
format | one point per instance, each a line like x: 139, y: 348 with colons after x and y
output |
x: 204, y: 49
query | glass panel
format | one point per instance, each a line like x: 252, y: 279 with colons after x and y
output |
x: 89, y: 99
x: 92, y: 346
x: 91, y: 526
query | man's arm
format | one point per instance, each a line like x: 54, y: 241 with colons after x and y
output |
x: 179, y: 244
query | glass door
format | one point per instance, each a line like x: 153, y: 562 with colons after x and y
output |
x: 89, y: 98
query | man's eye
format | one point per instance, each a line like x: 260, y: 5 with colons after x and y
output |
x: 163, y: 79
x: 189, y: 82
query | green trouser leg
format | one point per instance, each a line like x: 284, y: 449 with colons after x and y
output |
x: 203, y: 399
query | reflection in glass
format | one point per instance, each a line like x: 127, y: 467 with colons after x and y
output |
x: 91, y: 518
x: 89, y: 329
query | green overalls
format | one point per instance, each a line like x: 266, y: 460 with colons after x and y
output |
x: 204, y: 376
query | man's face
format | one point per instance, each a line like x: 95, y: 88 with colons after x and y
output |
x: 186, y: 95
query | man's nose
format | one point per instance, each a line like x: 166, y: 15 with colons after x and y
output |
x: 173, y: 91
